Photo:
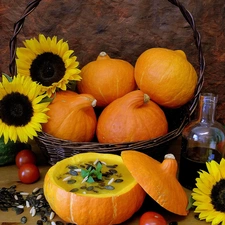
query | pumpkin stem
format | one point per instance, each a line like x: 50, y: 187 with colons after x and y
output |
x: 103, y: 55
x: 169, y: 164
x: 146, y: 98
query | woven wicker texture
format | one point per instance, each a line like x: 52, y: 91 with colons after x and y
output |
x: 57, y: 149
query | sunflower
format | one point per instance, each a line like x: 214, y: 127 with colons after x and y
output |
x: 22, y: 108
x: 209, y: 194
x: 49, y: 62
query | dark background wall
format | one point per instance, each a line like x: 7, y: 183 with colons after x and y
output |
x: 124, y: 29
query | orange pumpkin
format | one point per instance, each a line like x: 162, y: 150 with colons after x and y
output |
x: 133, y: 117
x: 159, y: 180
x: 86, y: 203
x: 106, y: 79
x: 71, y: 117
x: 166, y: 76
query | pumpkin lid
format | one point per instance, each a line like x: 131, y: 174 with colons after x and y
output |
x: 158, y: 179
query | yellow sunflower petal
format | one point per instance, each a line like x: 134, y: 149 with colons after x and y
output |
x: 218, y: 219
x: 213, y: 168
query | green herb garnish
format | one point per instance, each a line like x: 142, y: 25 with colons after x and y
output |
x: 92, y: 173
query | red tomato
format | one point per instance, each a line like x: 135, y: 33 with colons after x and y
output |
x: 25, y: 156
x: 28, y: 173
x: 152, y: 218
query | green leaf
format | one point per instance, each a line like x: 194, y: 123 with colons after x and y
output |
x: 90, y: 179
x: 91, y: 173
x: 84, y: 173
x: 190, y: 202
x: 8, y: 77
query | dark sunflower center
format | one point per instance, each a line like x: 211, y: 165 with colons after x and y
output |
x: 218, y: 196
x: 16, y: 109
x: 47, y: 68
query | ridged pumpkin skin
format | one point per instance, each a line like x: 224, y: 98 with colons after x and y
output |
x: 93, y: 208
x: 159, y: 180
x: 106, y: 79
x: 132, y: 117
x: 71, y: 117
x: 166, y: 76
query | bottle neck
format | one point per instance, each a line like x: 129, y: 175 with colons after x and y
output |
x: 207, y: 108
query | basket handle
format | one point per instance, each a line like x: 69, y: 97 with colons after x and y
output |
x: 186, y: 14
x: 17, y: 27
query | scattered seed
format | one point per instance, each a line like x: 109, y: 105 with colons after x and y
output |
x: 67, y: 178
x: 74, y: 190
x: 84, y: 180
x: 23, y: 219
x: 83, y: 187
x: 196, y: 217
x: 102, y: 162
x: 109, y: 187
x: 33, y: 213
x: 112, y: 166
x: 16, y: 197
x: 72, y: 167
x: 24, y: 193
x: 44, y: 219
x: 52, y: 214
x: 84, y: 192
x: 113, y: 171
x: 95, y: 162
x: 39, y: 222
x: 39, y: 197
x: 73, y: 172
x: 27, y: 204
x: 118, y: 180
x: 36, y: 190
x: 90, y: 188
x: 53, y: 223
x: 20, y: 206
x: 78, y: 170
x: 72, y: 181
x: 111, y: 181
x: 59, y: 223
x: 19, y: 211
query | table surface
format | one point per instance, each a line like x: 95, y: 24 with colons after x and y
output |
x: 8, y: 177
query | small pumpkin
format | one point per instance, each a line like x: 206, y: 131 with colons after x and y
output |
x: 71, y: 117
x: 106, y: 79
x: 133, y: 117
x: 159, y: 180
x: 166, y: 76
x: 86, y: 203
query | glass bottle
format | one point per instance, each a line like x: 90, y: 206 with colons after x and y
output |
x: 203, y: 140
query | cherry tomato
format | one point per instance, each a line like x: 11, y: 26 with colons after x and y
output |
x: 28, y: 173
x: 152, y: 218
x: 25, y: 156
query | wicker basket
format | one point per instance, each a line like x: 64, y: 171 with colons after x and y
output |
x: 57, y: 149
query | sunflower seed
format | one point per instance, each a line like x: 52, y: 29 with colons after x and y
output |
x: 24, y: 193
x: 52, y: 214
x: 36, y: 190
x: 27, y: 204
x: 111, y: 181
x: 67, y: 178
x: 39, y: 197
